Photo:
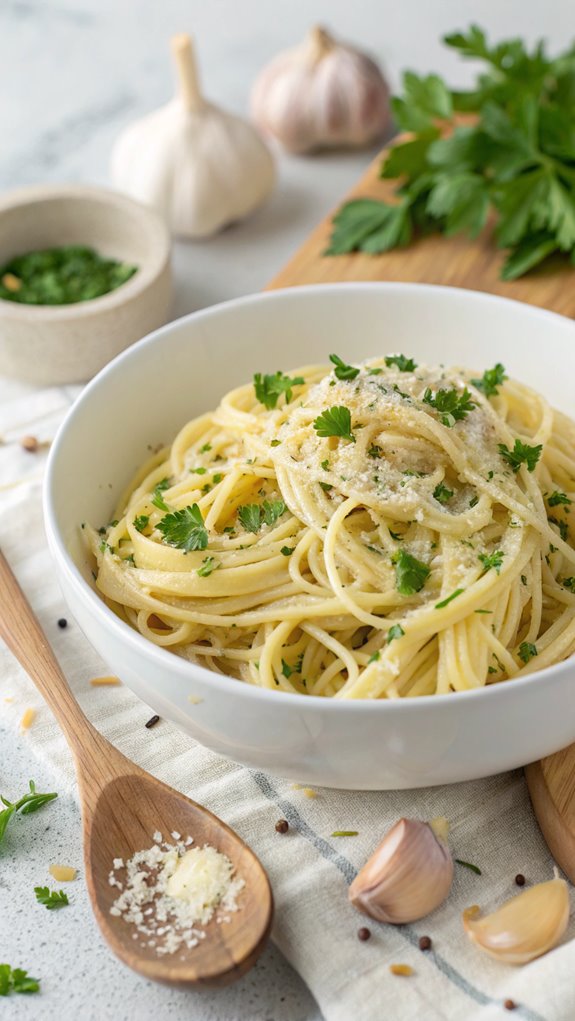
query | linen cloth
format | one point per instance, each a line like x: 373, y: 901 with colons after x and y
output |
x: 491, y: 822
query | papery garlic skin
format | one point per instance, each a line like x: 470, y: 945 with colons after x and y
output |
x: 201, y: 167
x: 322, y: 94
x: 408, y: 875
x: 525, y: 927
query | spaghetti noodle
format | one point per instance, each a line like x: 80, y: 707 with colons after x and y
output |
x: 373, y: 531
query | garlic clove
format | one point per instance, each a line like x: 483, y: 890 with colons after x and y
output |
x: 407, y: 876
x: 524, y: 927
x: 322, y: 94
x: 201, y: 167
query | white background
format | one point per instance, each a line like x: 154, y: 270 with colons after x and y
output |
x: 72, y: 73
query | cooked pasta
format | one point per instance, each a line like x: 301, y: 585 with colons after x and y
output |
x: 377, y: 531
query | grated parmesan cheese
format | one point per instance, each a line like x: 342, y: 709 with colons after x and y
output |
x: 168, y: 892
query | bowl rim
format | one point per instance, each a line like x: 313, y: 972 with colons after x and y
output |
x: 188, y: 671
x: 158, y: 250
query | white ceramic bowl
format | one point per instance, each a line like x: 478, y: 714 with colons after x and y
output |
x: 144, y: 397
x: 53, y: 344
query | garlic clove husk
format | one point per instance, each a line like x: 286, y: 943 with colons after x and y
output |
x: 322, y: 94
x: 408, y: 875
x: 201, y: 167
x: 524, y: 927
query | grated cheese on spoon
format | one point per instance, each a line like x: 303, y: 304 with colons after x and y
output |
x: 168, y: 891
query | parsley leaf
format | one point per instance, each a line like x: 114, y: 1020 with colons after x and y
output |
x: 198, y: 471
x: 375, y: 450
x: 401, y: 362
x: 268, y: 389
x: 141, y: 522
x: 286, y: 551
x: 491, y: 380
x: 449, y: 599
x: 157, y: 498
x: 451, y: 405
x: 184, y: 529
x: 395, y: 631
x: 16, y: 980
x: 442, y: 494
x: 342, y: 370
x: 272, y: 510
x: 527, y: 651
x: 492, y: 560
x: 522, y: 453
x: 250, y: 516
x: 569, y: 583
x: 556, y: 498
x: 51, y: 899
x: 335, y: 421
x: 209, y: 564
x: 27, y: 804
x: 410, y: 574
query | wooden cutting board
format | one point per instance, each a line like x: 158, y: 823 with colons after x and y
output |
x: 458, y: 262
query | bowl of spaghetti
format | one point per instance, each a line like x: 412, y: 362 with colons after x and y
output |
x: 327, y: 531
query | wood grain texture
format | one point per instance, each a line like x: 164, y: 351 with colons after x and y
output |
x: 122, y: 807
x: 455, y: 262
x: 458, y: 262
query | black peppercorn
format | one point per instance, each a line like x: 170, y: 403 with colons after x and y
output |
x: 363, y: 934
x: 520, y: 879
x: 424, y: 943
x: 282, y: 826
x: 62, y: 622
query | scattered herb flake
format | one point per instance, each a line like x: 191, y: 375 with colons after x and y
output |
x: 27, y: 804
x: 250, y: 516
x: 557, y: 498
x: 492, y: 560
x: 491, y: 380
x: 410, y: 574
x: 395, y: 631
x: 287, y: 551
x: 451, y: 405
x: 527, y: 651
x: 442, y: 494
x: 209, y: 565
x: 468, y: 865
x: 273, y: 510
x: 51, y: 899
x: 401, y: 362
x: 141, y: 522
x: 345, y: 833
x: 268, y: 389
x: 449, y: 599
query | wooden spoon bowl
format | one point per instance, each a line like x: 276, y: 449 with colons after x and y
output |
x: 122, y: 808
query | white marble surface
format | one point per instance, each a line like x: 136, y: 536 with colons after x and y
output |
x: 72, y: 73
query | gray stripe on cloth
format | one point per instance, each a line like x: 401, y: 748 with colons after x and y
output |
x: 349, y: 873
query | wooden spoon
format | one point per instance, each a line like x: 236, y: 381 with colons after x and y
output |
x: 122, y: 807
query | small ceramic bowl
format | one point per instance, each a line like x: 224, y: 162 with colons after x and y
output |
x: 52, y: 344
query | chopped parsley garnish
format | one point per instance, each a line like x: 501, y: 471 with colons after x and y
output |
x: 286, y: 669
x: 562, y: 526
x: 442, y: 493
x: 275, y: 443
x: 491, y: 380
x: 30, y: 802
x: 209, y: 564
x: 446, y: 602
x: 556, y: 498
x: 335, y: 421
x: 374, y: 657
x: 184, y: 529
x: 325, y: 465
x: 410, y: 574
x: 157, y: 498
x: 468, y: 865
x: 375, y: 450
x: 253, y: 515
x: 198, y: 471
x: 326, y: 486
x: 141, y: 522
x: 569, y: 583
x: 105, y: 547
x: 395, y: 631
x: 523, y: 579
x: 401, y: 362
x: 345, y: 833
x: 250, y: 516
x: 492, y: 560
x: 474, y: 501
x: 342, y: 370
x: 522, y: 453
x: 287, y: 551
x: 527, y: 651
x: 395, y: 535
x: 375, y: 372
x: 483, y: 611
x: 268, y: 389
x: 451, y: 405
x: 51, y: 899
x: 217, y: 478
x: 205, y: 448
x: 16, y: 980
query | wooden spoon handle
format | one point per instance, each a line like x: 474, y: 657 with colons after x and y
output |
x: 24, y: 637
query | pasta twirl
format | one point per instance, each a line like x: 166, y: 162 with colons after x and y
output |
x: 386, y: 534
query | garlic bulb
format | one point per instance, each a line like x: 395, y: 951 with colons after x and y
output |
x: 200, y: 167
x: 525, y: 926
x: 407, y: 876
x: 323, y: 94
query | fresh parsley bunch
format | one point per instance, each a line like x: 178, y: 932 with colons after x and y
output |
x: 515, y: 156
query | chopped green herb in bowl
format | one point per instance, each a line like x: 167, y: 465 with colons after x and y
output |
x: 61, y: 276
